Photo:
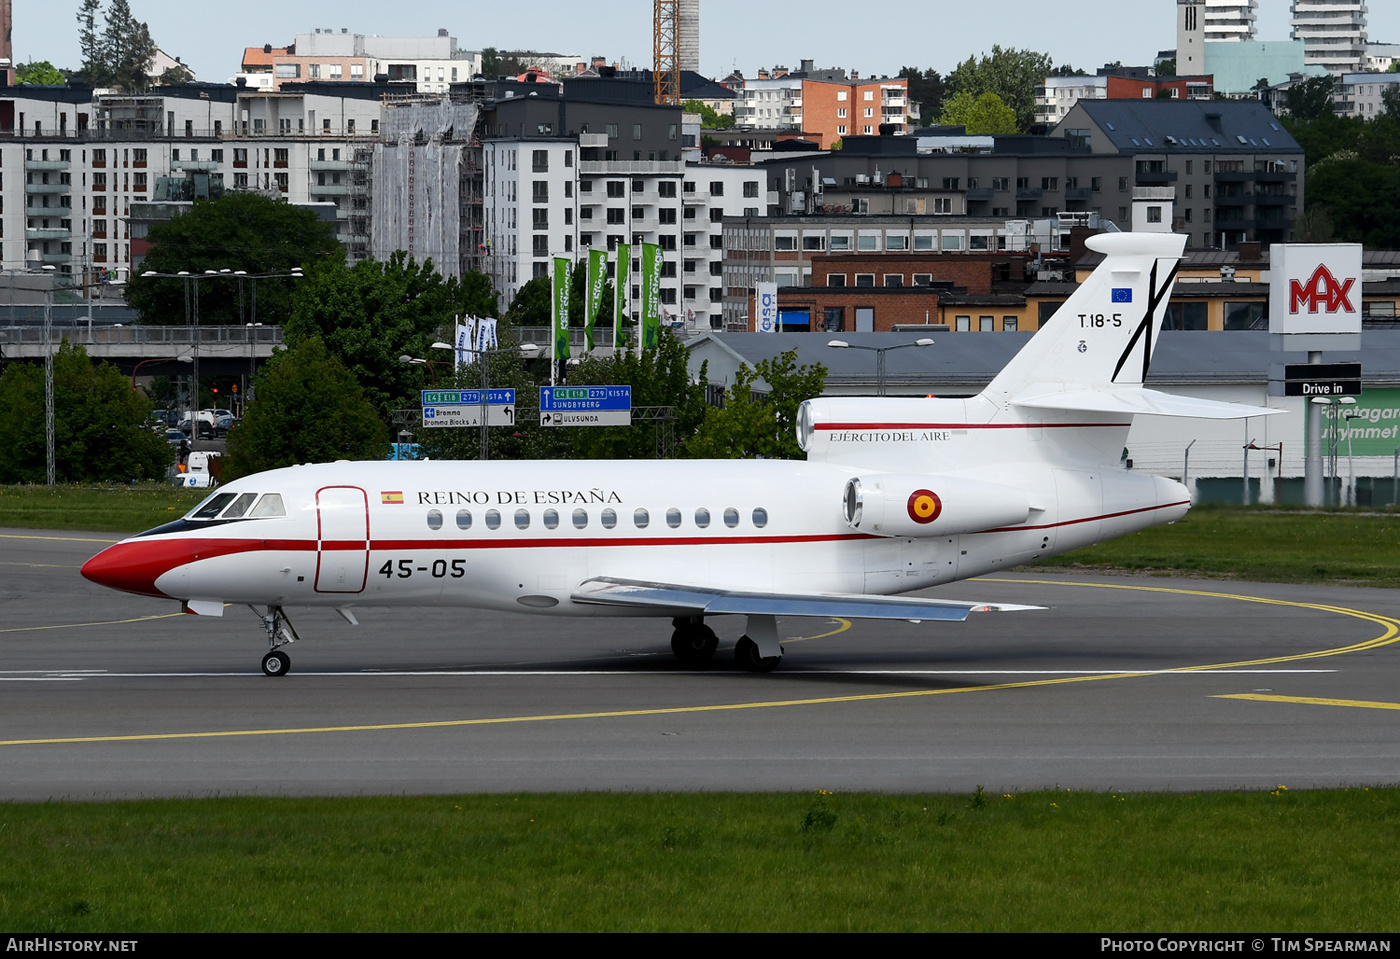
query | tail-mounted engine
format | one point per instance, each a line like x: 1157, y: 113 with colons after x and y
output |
x: 888, y: 504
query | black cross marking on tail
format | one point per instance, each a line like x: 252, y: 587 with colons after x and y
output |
x: 1144, y: 329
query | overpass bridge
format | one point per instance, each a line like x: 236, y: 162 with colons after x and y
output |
x: 222, y: 350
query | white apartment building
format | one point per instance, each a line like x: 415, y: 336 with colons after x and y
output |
x: 1227, y: 20
x: 770, y: 104
x: 432, y: 64
x: 1359, y: 94
x: 1333, y: 33
x: 1057, y: 95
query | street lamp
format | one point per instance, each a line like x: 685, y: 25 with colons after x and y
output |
x: 419, y: 361
x: 162, y: 359
x: 879, y: 352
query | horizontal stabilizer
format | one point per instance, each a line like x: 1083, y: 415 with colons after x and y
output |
x: 672, y: 600
x: 1134, y: 400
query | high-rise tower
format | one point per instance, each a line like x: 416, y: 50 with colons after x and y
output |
x: 690, y: 35
x: 1333, y: 33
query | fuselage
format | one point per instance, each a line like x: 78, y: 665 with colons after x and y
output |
x: 525, y: 535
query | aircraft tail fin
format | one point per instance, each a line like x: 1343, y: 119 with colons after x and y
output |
x: 1103, y: 336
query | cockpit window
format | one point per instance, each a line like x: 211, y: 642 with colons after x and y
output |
x: 211, y: 507
x: 240, y: 506
x: 269, y: 505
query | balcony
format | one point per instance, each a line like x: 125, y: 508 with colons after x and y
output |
x: 46, y: 164
x: 47, y: 233
x: 336, y: 165
x: 50, y: 188
x: 1274, y: 176
x: 588, y: 141
x: 1078, y: 193
x: 331, y: 189
x: 58, y: 258
x: 49, y: 211
x: 1026, y: 193
x: 620, y: 167
x: 1274, y: 199
x: 979, y: 195
x: 1155, y: 177
x: 194, y: 166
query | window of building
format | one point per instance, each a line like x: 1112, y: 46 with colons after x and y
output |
x: 539, y: 191
x: 836, y: 279
x: 716, y: 188
x: 539, y: 218
x: 1154, y: 214
x: 893, y: 280
x: 868, y: 242
x: 617, y: 188
x: 539, y: 161
x: 636, y: 131
x: 540, y: 246
x: 865, y: 279
x: 666, y: 189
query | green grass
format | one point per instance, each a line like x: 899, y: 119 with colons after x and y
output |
x: 114, y: 509
x: 1323, y: 861
x: 1269, y: 545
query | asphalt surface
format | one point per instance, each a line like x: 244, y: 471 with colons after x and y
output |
x: 104, y: 695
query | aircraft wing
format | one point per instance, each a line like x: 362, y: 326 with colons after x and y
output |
x: 674, y: 600
x: 1134, y: 400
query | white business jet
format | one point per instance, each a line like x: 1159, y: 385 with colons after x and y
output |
x: 896, y: 495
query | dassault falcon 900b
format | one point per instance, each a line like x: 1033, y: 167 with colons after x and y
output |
x: 896, y: 495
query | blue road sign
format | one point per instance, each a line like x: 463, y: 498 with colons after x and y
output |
x: 468, y: 397
x: 563, y: 399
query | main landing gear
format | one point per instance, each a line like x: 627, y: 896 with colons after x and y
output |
x: 758, y: 650
x: 279, y: 633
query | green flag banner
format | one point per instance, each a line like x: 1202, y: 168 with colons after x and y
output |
x: 560, y: 312
x: 621, y: 284
x: 593, y: 302
x: 651, y: 295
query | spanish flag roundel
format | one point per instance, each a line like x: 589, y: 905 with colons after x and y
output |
x: 924, y: 506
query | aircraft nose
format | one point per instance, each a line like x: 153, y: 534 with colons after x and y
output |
x: 133, y: 567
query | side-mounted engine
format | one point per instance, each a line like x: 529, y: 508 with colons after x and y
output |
x: 892, y: 504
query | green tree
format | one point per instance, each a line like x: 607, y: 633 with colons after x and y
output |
x: 176, y: 75
x: 1361, y: 200
x: 1390, y: 99
x: 490, y: 63
x: 1011, y: 74
x: 308, y: 409
x: 925, y: 89
x: 710, y: 119
x: 127, y: 48
x: 94, y: 69
x: 375, y: 312
x: 99, y: 423
x: 531, y: 306
x: 238, y: 231
x: 41, y: 72
x: 982, y: 116
x: 762, y: 425
x: 1166, y: 68
x: 1310, y: 98
x: 659, y: 377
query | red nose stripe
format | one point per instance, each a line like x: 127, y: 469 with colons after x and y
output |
x: 135, y: 566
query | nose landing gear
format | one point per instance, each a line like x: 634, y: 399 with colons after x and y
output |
x: 279, y: 633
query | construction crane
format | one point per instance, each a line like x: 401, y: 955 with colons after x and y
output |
x: 665, y: 52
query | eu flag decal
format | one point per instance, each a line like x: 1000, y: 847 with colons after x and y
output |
x: 1122, y: 294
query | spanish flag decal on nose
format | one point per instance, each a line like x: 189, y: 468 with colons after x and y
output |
x: 396, y: 497
x: 924, y: 506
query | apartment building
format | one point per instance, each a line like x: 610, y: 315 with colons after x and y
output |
x: 1057, y: 95
x: 1333, y: 33
x: 430, y: 64
x: 1360, y: 94
x: 824, y: 105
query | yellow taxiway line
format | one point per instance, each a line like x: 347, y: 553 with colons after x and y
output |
x: 1310, y: 701
x: 1390, y: 634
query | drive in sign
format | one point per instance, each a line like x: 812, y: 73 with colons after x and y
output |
x: 585, y: 406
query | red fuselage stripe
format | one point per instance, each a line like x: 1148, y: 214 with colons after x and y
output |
x: 959, y: 426
x: 1087, y: 519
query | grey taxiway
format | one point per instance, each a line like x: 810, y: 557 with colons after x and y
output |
x: 1120, y: 683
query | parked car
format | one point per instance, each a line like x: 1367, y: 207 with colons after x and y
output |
x: 175, y: 437
x: 222, y: 424
x: 206, y: 429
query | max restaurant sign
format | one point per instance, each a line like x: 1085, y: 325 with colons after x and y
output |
x: 1315, y: 291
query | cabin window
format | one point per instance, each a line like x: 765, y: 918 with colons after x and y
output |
x: 551, y: 519
x: 702, y: 517
x: 580, y: 518
x: 609, y: 518
x: 760, y: 517
x: 673, y: 517
x: 493, y: 519
x: 240, y: 506
x: 434, y: 519
x: 522, y: 519
x: 641, y: 519
x: 464, y: 519
x: 731, y: 517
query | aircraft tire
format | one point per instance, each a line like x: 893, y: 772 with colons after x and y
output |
x: 694, y: 645
x: 746, y: 655
x: 276, y: 663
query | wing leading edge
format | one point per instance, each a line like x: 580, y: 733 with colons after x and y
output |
x: 1134, y: 400
x: 673, y: 600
